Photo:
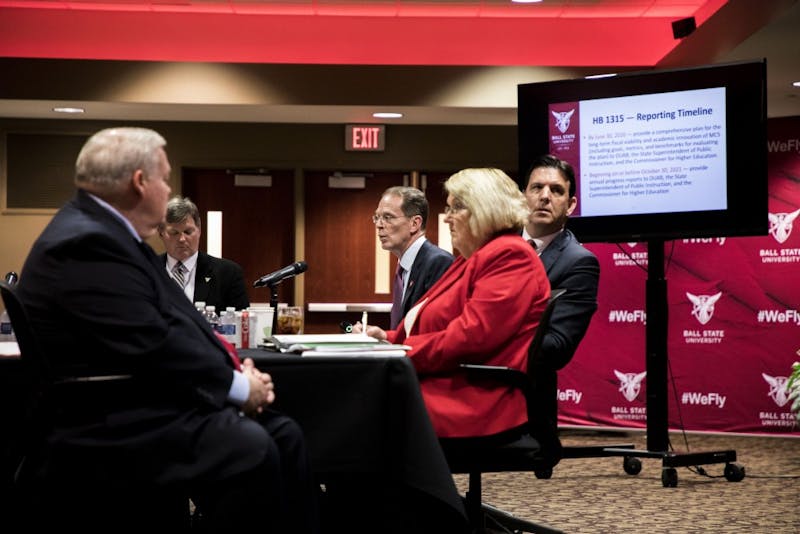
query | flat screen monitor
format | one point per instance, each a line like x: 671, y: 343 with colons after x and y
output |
x: 661, y: 154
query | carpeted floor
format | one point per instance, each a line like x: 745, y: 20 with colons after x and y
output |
x: 595, y: 495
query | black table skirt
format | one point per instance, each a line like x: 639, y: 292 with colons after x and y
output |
x: 364, y: 420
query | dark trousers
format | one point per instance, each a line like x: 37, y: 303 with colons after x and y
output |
x: 259, y: 477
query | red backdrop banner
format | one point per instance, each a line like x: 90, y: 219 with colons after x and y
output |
x: 734, y: 323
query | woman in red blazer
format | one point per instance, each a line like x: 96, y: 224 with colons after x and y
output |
x: 484, y: 309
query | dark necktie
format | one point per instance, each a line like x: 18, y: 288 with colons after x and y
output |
x: 397, y: 298
x: 534, y: 245
x: 179, y: 274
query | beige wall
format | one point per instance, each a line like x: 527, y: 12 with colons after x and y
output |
x: 284, y: 146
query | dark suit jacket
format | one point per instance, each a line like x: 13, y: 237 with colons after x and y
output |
x: 569, y: 266
x: 100, y: 300
x: 430, y: 263
x: 219, y: 282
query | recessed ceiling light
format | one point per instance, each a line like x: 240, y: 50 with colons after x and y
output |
x: 796, y: 84
x: 596, y: 76
x: 387, y: 115
x: 68, y: 110
x: 525, y: 1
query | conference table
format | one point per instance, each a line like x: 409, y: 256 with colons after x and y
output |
x: 371, y: 442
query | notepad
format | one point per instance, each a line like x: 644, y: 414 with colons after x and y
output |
x: 336, y: 345
x: 303, y: 342
x: 354, y: 354
x: 373, y: 349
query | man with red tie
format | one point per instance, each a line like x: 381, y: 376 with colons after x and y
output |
x: 185, y: 421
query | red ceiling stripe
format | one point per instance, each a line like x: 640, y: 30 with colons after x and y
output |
x: 326, y: 40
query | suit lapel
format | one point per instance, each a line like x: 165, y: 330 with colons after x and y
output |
x: 448, y: 278
x: 415, y: 274
x: 202, y: 278
x: 553, y: 251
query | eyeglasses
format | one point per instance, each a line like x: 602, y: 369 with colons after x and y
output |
x: 387, y: 218
x: 452, y: 210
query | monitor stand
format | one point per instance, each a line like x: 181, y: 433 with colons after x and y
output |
x: 657, y: 365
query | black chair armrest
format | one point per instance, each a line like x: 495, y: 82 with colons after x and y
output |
x: 504, y: 375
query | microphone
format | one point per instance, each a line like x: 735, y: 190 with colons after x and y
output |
x: 273, y: 278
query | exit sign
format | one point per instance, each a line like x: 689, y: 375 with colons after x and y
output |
x: 365, y: 137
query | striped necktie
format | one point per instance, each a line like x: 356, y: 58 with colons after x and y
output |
x: 179, y: 274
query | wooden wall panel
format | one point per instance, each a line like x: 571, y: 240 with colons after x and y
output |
x: 340, y: 238
x: 258, y: 223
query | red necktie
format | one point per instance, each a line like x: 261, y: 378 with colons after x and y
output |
x: 397, y: 298
x: 237, y: 363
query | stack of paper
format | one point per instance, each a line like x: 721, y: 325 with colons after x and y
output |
x: 336, y: 345
x: 374, y: 349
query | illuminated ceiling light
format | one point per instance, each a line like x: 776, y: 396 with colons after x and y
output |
x: 387, y: 115
x: 796, y: 84
x: 68, y: 110
x: 596, y: 76
x: 525, y: 1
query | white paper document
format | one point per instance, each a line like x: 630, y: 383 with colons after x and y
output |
x: 317, y: 339
x: 9, y: 348
x: 399, y: 353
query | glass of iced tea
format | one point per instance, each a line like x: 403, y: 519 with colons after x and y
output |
x: 290, y: 319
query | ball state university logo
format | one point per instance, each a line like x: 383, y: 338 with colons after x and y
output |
x: 780, y: 225
x: 777, y: 389
x: 562, y: 119
x: 630, y: 384
x: 703, y: 306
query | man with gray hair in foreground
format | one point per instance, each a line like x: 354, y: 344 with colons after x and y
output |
x: 188, y: 419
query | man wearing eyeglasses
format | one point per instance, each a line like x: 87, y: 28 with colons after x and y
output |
x: 400, y: 221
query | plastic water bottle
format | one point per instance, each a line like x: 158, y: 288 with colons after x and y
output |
x: 212, y: 317
x: 6, y: 331
x: 227, y: 326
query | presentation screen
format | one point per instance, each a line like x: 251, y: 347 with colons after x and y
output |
x: 657, y: 154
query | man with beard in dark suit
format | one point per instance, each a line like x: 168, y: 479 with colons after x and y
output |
x: 218, y: 282
x: 400, y: 222
x: 550, y: 190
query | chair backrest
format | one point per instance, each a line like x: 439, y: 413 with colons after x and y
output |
x: 544, y: 325
x: 541, y: 390
x: 27, y: 420
x: 28, y: 346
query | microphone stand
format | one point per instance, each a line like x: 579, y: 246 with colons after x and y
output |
x: 273, y: 302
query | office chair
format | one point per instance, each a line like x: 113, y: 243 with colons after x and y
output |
x: 40, y: 393
x: 529, y: 450
x: 35, y: 374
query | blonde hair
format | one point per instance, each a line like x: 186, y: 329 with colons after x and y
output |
x: 493, y: 199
